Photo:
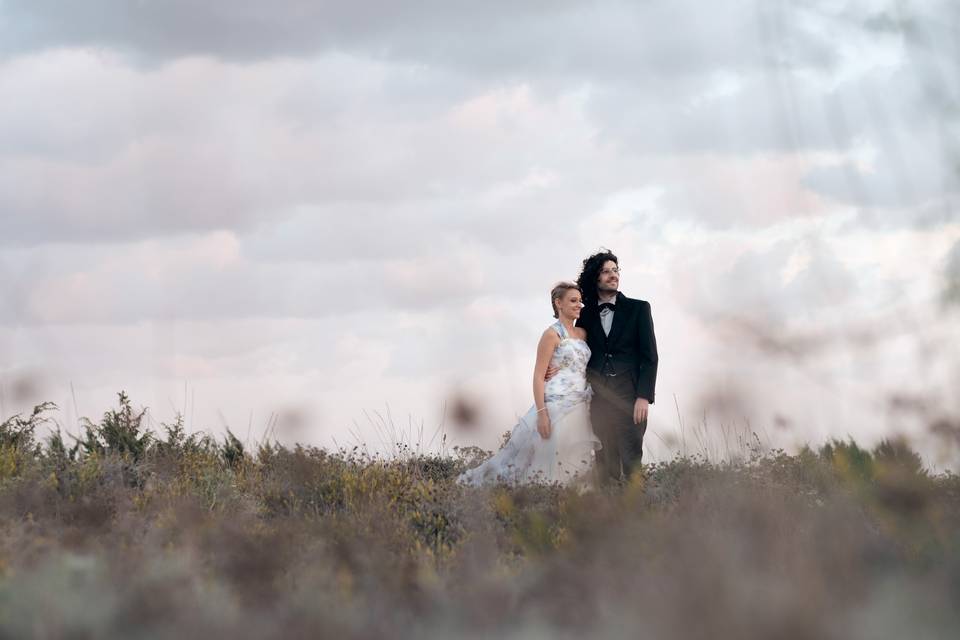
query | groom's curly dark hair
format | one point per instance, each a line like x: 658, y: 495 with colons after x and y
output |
x: 590, y: 272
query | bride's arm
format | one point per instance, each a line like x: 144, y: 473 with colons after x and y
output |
x: 548, y: 344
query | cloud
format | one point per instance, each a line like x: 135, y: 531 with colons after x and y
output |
x: 200, y: 146
x: 211, y: 276
x: 787, y: 283
x: 192, y: 147
x: 495, y: 36
x: 390, y: 120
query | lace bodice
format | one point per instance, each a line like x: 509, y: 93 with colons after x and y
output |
x: 569, y: 386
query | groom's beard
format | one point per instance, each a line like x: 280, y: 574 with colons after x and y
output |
x: 607, y: 287
x: 606, y: 293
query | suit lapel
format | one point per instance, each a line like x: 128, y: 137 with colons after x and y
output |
x: 619, y: 319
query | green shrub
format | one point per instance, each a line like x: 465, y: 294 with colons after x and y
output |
x: 18, y: 431
x: 119, y: 432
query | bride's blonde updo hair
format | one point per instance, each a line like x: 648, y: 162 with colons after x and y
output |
x: 559, y: 290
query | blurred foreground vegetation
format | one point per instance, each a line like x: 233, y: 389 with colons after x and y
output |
x: 123, y: 532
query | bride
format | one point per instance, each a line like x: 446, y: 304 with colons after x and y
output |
x: 553, y: 442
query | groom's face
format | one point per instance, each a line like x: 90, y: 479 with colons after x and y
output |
x: 609, y: 278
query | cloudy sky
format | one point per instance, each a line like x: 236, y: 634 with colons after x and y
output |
x: 333, y: 210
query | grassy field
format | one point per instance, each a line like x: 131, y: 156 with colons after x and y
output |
x: 130, y: 534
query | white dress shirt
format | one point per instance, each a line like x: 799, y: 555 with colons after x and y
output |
x: 606, y: 315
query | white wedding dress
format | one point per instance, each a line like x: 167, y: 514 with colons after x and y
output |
x: 567, y: 455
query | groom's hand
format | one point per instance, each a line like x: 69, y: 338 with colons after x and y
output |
x: 640, y: 408
x: 551, y: 371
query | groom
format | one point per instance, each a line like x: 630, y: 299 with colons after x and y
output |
x: 623, y: 365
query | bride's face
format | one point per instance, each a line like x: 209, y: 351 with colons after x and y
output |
x: 570, y: 304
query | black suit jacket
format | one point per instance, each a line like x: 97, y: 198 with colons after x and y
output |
x: 631, y: 348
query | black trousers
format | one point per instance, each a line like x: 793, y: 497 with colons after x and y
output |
x: 611, y: 412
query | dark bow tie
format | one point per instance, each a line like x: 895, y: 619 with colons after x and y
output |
x: 607, y: 305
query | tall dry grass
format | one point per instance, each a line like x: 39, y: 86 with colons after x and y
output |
x: 127, y: 533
